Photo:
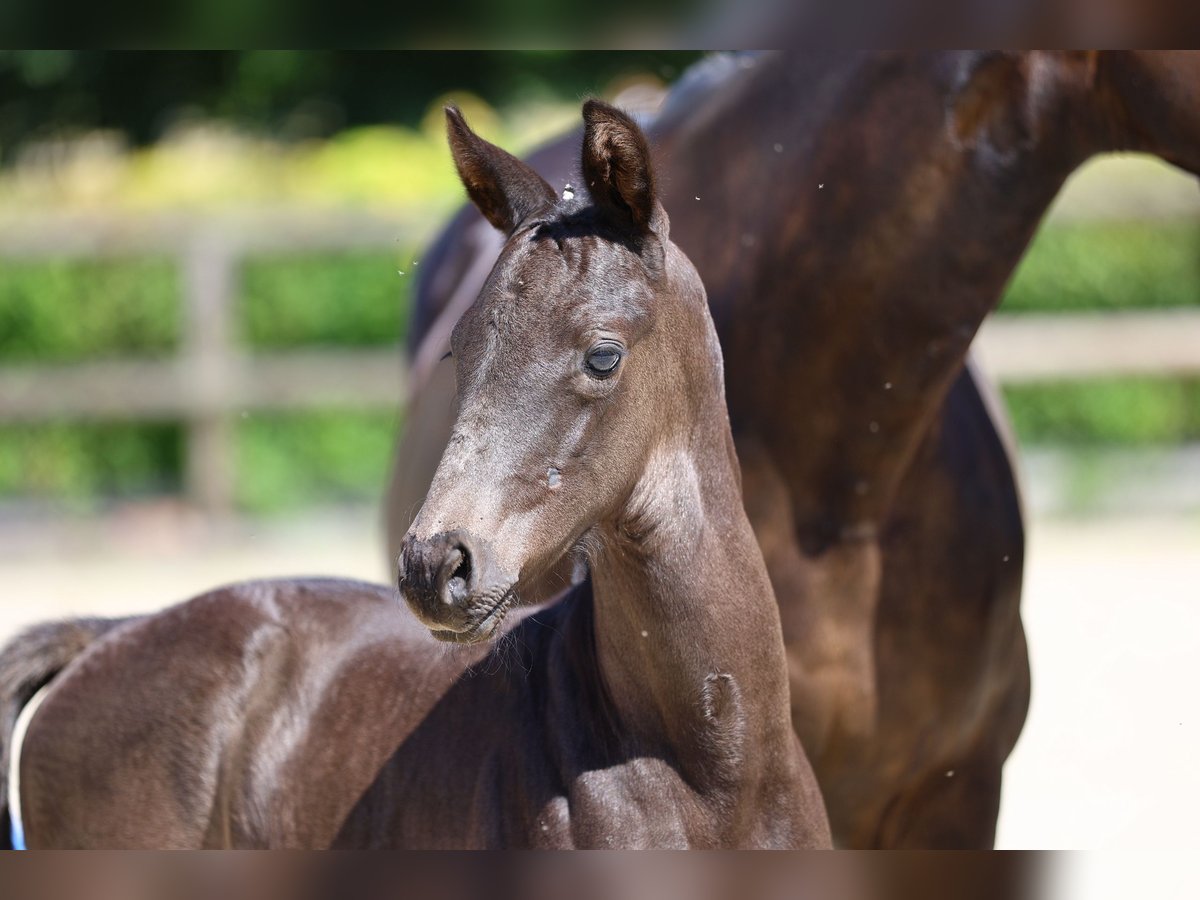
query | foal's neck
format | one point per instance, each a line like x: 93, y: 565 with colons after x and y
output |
x: 687, y: 629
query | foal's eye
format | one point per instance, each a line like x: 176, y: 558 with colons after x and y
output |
x: 603, y: 359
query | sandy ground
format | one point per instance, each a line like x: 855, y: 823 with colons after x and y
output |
x: 1108, y: 758
x: 1112, y: 608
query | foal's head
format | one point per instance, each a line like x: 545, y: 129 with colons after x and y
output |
x: 589, y: 346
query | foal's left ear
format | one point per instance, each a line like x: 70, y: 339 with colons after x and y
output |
x: 506, y: 190
x: 617, y: 169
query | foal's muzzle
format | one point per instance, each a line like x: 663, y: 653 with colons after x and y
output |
x: 453, y: 585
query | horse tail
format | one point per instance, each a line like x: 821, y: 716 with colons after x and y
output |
x: 28, y: 663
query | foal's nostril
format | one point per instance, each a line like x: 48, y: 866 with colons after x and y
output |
x: 459, y: 569
x: 463, y: 569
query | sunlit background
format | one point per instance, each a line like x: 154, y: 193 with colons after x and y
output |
x: 206, y: 263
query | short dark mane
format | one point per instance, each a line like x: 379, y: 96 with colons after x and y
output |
x: 580, y: 217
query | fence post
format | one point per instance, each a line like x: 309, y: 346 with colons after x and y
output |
x: 209, y: 271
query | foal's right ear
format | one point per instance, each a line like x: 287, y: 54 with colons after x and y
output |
x: 506, y: 190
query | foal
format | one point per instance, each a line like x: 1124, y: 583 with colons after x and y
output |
x: 648, y: 707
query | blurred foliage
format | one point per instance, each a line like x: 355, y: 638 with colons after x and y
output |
x: 356, y: 300
x: 296, y: 94
x: 296, y: 460
x: 284, y: 461
x: 87, y: 130
x: 63, y: 311
x: 210, y: 166
x: 1126, y: 411
x: 82, y: 462
x: 457, y: 23
x: 1108, y: 265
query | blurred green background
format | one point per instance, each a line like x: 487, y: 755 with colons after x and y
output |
x: 317, y: 130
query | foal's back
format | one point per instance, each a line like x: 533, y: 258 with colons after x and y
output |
x: 254, y: 715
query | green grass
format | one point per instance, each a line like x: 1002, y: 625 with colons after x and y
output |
x: 52, y: 312
x: 79, y: 463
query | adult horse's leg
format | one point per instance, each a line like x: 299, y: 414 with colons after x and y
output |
x: 954, y: 808
x: 952, y: 559
x: 890, y: 711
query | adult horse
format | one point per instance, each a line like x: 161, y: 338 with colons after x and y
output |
x: 649, y: 707
x: 854, y: 217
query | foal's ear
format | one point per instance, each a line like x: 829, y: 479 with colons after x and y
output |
x: 617, y: 168
x: 506, y: 190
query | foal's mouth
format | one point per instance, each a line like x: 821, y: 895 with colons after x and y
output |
x: 483, y: 625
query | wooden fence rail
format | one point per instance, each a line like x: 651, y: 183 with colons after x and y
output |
x: 1073, y: 346
x: 211, y: 380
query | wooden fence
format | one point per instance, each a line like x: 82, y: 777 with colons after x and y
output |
x: 211, y: 379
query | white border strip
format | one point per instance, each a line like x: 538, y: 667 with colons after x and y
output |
x: 14, y: 766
